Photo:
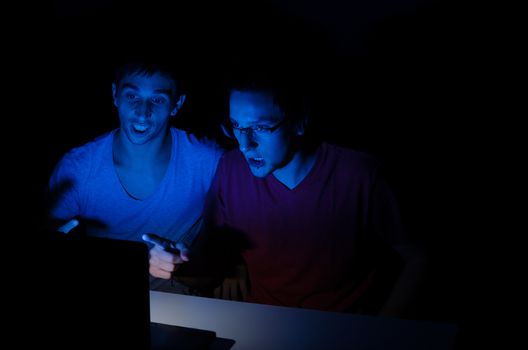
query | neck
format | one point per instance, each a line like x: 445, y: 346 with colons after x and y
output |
x: 297, y: 168
x: 128, y: 153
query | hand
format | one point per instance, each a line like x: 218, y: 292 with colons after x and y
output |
x: 234, y: 288
x: 165, y: 256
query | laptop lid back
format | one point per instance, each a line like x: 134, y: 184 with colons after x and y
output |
x: 93, y: 292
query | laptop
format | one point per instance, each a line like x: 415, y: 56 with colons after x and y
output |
x: 94, y: 292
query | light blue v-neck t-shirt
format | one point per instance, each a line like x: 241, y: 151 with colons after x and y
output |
x: 85, y: 184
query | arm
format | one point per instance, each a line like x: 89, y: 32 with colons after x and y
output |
x: 215, y: 260
x: 407, y: 288
x: 234, y: 287
x: 199, y: 267
x: 62, y: 197
x: 388, y: 226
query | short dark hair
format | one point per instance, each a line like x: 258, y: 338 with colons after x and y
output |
x: 148, y: 67
x: 286, y: 88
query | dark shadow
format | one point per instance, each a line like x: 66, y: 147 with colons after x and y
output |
x: 222, y: 344
x: 50, y: 226
x: 214, y: 256
x: 169, y: 337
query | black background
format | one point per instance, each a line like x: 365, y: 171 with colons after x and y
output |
x: 403, y: 81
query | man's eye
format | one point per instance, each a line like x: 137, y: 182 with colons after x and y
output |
x: 131, y: 96
x: 158, y: 100
x: 260, y: 128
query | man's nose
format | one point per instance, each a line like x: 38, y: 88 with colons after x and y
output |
x: 246, y: 141
x: 144, y: 109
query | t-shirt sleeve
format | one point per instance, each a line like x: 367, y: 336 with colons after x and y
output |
x: 214, y: 206
x: 206, y: 154
x: 217, y: 154
x: 63, y: 189
x: 385, y: 216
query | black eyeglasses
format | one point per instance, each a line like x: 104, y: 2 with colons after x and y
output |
x: 256, y: 130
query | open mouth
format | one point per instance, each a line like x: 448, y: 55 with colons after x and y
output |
x: 256, y: 162
x: 140, y: 128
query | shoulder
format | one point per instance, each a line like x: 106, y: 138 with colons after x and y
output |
x: 202, y: 153
x: 82, y: 155
x: 233, y: 155
x: 232, y: 159
x: 233, y: 165
x: 184, y: 139
x: 347, y: 158
x: 233, y: 171
x: 76, y: 164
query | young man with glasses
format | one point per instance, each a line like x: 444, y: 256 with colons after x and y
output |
x: 319, y: 225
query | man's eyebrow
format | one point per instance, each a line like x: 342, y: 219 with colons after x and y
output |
x: 131, y: 86
x: 261, y: 120
x: 163, y: 91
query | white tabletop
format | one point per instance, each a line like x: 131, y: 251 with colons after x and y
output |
x: 255, y: 326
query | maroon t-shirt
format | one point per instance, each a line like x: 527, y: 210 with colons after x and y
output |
x: 312, y: 246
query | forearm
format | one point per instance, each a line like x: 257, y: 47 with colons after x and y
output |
x: 406, y: 290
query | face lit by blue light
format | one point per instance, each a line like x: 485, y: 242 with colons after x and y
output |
x: 268, y: 151
x: 145, y: 104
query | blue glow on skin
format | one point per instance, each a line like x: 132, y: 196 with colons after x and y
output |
x: 277, y: 152
x: 264, y: 153
x: 142, y: 145
x: 145, y: 105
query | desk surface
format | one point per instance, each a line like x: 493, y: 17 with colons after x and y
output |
x: 255, y: 326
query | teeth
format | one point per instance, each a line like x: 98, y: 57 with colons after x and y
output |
x: 140, y: 127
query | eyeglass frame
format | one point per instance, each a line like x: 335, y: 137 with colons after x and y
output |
x: 251, y: 131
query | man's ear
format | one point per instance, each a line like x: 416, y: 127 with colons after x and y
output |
x: 300, y: 126
x: 178, y: 105
x: 114, y: 93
